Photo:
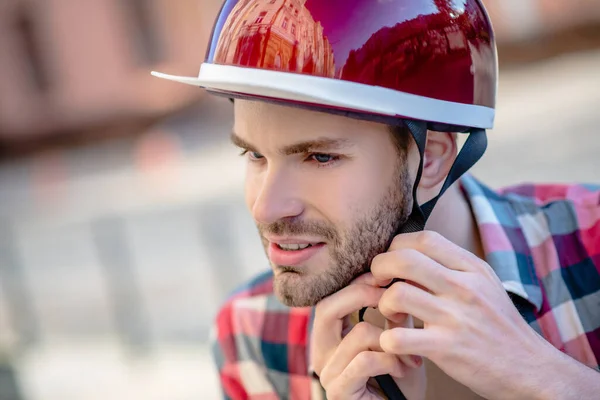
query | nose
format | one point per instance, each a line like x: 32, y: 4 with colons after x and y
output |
x: 276, y: 197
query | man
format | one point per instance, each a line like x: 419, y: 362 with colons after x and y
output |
x: 489, y: 294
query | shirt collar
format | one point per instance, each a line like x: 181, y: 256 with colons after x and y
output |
x: 506, y: 224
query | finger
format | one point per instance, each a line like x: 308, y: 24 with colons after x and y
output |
x: 397, y: 320
x: 440, y: 249
x: 363, y: 337
x: 365, y: 279
x: 369, y: 279
x: 405, y: 341
x: 329, y: 314
x: 412, y: 265
x: 404, y: 321
x: 403, y: 298
x: 365, y: 365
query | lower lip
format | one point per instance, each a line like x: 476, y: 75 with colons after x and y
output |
x: 292, y: 258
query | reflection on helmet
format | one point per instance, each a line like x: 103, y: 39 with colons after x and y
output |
x: 438, y: 49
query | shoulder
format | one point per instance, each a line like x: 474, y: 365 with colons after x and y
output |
x: 569, y: 209
x: 258, y: 343
x: 583, y: 195
x: 561, y: 226
x: 254, y: 308
x: 253, y: 325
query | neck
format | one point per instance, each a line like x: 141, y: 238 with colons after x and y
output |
x: 453, y: 218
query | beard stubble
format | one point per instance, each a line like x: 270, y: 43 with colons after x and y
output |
x: 351, y: 251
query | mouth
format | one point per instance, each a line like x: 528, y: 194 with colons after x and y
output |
x: 293, y: 254
x: 294, y: 247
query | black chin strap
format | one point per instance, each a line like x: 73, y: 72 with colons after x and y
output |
x: 471, y: 152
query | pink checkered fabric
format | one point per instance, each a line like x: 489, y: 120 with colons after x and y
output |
x: 543, y: 242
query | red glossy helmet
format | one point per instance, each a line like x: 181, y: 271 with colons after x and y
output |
x: 431, y: 60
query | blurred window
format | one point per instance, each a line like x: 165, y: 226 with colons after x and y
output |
x: 30, y: 43
x: 143, y: 24
x: 260, y: 18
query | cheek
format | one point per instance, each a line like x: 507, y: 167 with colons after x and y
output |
x: 342, y: 196
x: 329, y: 198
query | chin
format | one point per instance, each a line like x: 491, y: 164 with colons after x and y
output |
x: 297, y: 290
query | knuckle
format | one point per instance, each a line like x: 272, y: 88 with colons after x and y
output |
x: 361, y: 330
x: 396, y: 241
x: 475, y: 298
x: 392, y: 302
x: 397, y: 261
x: 408, y: 253
x: 456, y: 282
x: 408, y: 259
x: 398, y: 292
x: 362, y: 360
x: 443, y: 278
x: 437, y: 348
x: 467, y: 291
x: 452, y: 320
x: 429, y: 238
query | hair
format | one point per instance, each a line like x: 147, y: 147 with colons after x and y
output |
x: 401, y: 138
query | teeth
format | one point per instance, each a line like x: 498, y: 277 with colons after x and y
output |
x: 290, y: 247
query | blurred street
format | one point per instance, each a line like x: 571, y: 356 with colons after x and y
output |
x: 190, y: 240
x: 122, y: 220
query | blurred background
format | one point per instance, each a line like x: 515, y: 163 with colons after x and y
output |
x: 122, y: 223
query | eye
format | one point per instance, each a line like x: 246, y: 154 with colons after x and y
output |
x: 322, y: 158
x: 255, y: 156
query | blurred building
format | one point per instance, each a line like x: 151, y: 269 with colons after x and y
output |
x: 78, y: 65
x: 285, y: 36
x: 139, y: 240
x: 75, y: 66
x: 526, y: 20
x: 533, y: 30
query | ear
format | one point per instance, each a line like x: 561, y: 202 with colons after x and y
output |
x: 440, y: 153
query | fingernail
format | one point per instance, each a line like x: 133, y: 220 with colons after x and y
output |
x: 384, y: 283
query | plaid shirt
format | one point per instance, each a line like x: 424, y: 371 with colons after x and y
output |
x: 543, y: 241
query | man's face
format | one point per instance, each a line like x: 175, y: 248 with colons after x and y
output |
x: 327, y: 194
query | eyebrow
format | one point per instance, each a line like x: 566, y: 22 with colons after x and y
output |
x: 319, y: 144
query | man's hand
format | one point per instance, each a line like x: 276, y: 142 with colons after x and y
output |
x: 472, y: 331
x: 345, y: 364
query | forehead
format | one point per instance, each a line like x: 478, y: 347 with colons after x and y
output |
x: 257, y: 121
